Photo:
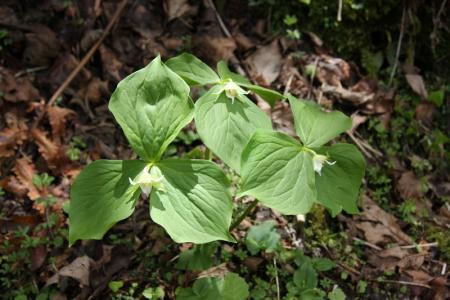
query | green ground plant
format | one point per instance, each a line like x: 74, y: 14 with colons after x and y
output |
x: 192, y: 198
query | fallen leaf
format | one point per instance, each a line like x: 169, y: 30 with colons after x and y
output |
x: 38, y: 256
x: 42, y: 46
x: 58, y: 117
x: 440, y: 288
x: 416, y: 83
x: 243, y: 42
x: 409, y: 187
x: 265, y: 64
x: 213, y: 48
x: 16, y: 89
x: 175, y: 8
x: 25, y: 172
x: 13, y: 135
x: 378, y: 226
x: 61, y: 69
x: 111, y: 65
x: 425, y: 112
x: 79, y: 269
x: 53, y: 153
x: 418, y: 276
x: 329, y: 70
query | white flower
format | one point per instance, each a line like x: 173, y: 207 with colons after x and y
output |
x: 318, y: 161
x: 147, y: 180
x: 232, y: 90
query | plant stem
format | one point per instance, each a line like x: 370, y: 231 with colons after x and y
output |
x: 244, y: 214
x: 208, y: 154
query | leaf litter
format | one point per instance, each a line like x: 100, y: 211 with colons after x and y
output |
x: 30, y: 145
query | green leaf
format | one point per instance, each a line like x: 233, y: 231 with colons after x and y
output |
x: 267, y: 94
x: 153, y: 293
x: 231, y: 287
x: 262, y: 237
x: 306, y: 277
x: 336, y: 294
x: 314, y: 126
x: 437, y: 97
x: 277, y: 172
x: 312, y: 294
x: 115, y: 286
x: 101, y: 196
x: 338, y: 187
x: 323, y: 264
x: 152, y: 105
x: 196, y: 204
x: 192, y: 70
x: 226, y: 127
x: 198, y: 258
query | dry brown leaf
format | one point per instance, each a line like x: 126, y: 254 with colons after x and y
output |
x: 79, y: 269
x: 387, y: 259
x: 265, y: 64
x: 416, y: 83
x: 213, y: 48
x: 440, y: 288
x: 61, y: 69
x: 419, y: 276
x: 378, y: 226
x: 111, y: 65
x: 425, y: 112
x: 25, y: 172
x: 53, y: 153
x: 332, y: 71
x: 409, y: 186
x: 42, y: 46
x: 175, y: 8
x: 14, y: 134
x: 217, y: 271
x: 58, y: 117
x: 243, y: 42
x: 16, y: 89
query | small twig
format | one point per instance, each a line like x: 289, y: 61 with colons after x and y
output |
x: 219, y: 19
x: 88, y: 55
x: 313, y: 74
x: 339, y: 13
x: 399, y: 45
x: 401, y: 282
x: 367, y: 244
x: 360, y: 146
x: 30, y: 70
x: 434, y: 244
x: 434, y: 34
x: 244, y: 214
x: 349, y: 269
x: 276, y: 278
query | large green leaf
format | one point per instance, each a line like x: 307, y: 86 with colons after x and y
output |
x: 231, y: 287
x: 101, y: 196
x: 192, y: 70
x: 269, y: 95
x: 152, y: 105
x: 276, y: 171
x: 195, y: 205
x: 338, y: 186
x: 314, y: 126
x: 226, y: 127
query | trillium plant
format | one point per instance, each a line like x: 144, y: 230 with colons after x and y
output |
x: 192, y: 198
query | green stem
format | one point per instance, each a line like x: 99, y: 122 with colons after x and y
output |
x: 243, y: 215
x: 208, y: 154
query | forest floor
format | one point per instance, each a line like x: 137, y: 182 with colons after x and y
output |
x: 398, y: 247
